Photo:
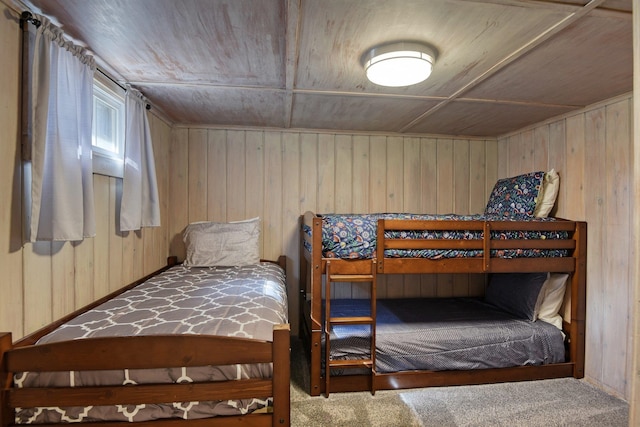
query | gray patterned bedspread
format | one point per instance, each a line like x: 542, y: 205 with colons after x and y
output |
x: 444, y: 334
x: 231, y: 301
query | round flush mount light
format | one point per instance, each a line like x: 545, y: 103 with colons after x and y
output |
x: 399, y: 64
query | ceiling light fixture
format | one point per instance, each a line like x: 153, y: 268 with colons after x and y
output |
x: 399, y: 64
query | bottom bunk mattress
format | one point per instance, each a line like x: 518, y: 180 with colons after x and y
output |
x: 443, y: 334
x: 230, y: 301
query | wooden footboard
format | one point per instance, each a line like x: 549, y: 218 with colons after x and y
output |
x: 146, y: 352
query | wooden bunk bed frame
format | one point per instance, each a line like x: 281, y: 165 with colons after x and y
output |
x: 144, y: 352
x: 313, y: 268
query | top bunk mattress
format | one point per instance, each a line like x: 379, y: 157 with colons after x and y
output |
x: 241, y: 302
x: 354, y: 236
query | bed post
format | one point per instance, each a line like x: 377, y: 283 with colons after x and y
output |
x: 6, y: 413
x: 578, y: 300
x: 316, y: 307
x: 282, y: 375
x: 302, y: 282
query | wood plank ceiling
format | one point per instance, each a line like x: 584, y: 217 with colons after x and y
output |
x: 501, y: 64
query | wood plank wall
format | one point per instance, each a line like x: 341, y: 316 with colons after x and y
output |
x: 44, y: 281
x: 592, y: 151
x: 634, y: 312
x: 11, y: 306
x: 234, y: 174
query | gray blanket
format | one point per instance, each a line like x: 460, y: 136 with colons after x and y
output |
x: 444, y: 334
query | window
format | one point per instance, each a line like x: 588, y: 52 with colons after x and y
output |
x: 108, y: 127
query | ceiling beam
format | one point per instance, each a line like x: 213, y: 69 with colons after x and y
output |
x: 292, y: 46
x: 513, y: 56
x: 563, y: 6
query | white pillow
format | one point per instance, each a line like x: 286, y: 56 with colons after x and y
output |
x: 553, y: 290
x: 211, y: 244
x: 548, y: 194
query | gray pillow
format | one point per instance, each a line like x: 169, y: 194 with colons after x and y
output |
x: 229, y: 244
x: 517, y: 293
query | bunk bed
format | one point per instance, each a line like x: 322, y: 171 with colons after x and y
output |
x: 201, y: 343
x: 353, y: 343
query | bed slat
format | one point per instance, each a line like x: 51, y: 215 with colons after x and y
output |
x: 138, y: 394
x: 133, y: 353
x: 251, y: 420
x: 557, y: 225
x: 418, y: 224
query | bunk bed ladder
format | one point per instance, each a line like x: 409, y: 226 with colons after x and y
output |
x: 367, y: 363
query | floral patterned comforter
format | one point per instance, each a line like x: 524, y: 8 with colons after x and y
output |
x: 354, y: 236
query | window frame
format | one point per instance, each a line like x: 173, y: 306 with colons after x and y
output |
x: 106, y: 162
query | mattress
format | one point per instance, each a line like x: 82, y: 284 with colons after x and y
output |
x: 230, y: 301
x: 443, y: 334
x: 354, y: 236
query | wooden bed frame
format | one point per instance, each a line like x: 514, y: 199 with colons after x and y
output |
x: 148, y: 352
x: 313, y: 269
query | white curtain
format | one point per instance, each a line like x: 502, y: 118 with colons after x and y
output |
x: 61, y: 166
x: 140, y: 205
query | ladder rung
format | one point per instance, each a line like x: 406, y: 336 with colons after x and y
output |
x: 351, y: 277
x: 362, y: 320
x: 351, y: 363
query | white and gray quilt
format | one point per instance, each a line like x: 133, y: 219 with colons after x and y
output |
x: 230, y: 301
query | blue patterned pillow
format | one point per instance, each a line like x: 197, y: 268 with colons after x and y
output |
x: 515, y: 196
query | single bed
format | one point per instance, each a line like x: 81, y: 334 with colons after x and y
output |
x: 196, y: 344
x: 507, y: 238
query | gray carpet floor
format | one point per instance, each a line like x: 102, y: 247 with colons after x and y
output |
x: 547, y: 403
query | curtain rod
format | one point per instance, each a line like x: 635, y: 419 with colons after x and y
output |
x: 111, y: 78
x: 147, y: 105
x: 27, y: 16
